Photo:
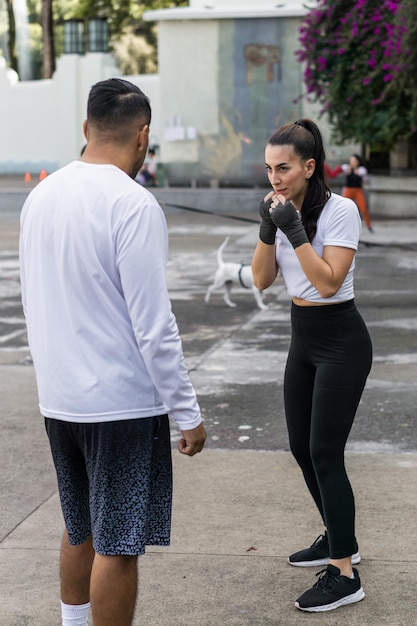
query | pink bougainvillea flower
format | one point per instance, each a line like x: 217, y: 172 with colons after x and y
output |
x: 392, y: 6
x: 362, y: 50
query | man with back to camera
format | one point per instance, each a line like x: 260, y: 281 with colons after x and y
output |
x: 107, y: 355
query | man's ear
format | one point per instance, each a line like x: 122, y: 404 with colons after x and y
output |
x: 85, y: 129
x: 143, y: 137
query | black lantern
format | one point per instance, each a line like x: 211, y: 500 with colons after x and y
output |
x: 73, y: 36
x: 98, y: 34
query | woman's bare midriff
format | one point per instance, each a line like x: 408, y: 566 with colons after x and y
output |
x: 301, y: 302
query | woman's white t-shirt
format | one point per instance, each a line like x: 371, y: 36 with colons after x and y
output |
x: 339, y: 224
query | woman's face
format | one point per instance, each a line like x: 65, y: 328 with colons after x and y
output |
x: 353, y: 162
x: 287, y: 173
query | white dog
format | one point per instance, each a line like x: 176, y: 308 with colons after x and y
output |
x: 229, y: 273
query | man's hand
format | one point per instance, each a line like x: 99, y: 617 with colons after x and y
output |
x: 192, y: 441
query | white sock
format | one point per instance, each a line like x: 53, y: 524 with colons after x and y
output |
x: 75, y: 614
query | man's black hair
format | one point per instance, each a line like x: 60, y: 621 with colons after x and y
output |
x: 115, y: 102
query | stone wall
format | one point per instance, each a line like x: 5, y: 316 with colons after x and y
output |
x: 389, y: 198
x: 41, y: 120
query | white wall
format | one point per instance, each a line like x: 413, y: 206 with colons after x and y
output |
x: 189, y: 88
x: 41, y: 121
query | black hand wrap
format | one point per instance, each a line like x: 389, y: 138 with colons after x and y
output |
x: 267, y: 229
x: 285, y: 217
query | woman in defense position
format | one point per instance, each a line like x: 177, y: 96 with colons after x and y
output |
x: 311, y: 235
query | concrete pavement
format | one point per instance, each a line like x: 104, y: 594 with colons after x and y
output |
x: 238, y: 511
x: 237, y: 515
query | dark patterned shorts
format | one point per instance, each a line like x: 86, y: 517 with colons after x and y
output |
x: 115, y: 482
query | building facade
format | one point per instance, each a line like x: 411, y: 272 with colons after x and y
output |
x: 228, y: 79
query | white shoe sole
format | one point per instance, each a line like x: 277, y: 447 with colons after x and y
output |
x: 356, y: 558
x: 355, y: 597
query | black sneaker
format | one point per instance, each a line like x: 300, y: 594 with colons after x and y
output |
x: 317, y: 554
x: 331, y: 591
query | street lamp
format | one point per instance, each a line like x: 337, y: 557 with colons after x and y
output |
x: 98, y: 34
x: 73, y: 36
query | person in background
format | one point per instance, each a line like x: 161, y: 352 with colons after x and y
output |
x: 331, y: 173
x: 107, y: 354
x: 147, y: 174
x: 152, y: 165
x: 310, y: 236
x: 356, y: 174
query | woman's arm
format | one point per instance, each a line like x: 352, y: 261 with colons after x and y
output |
x: 325, y: 273
x: 264, y: 265
x: 332, y: 173
x: 363, y: 173
x: 328, y: 272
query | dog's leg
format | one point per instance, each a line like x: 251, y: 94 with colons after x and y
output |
x: 208, y: 293
x: 227, y: 293
x: 259, y: 298
x: 216, y: 284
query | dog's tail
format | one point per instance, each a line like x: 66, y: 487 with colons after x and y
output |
x: 220, y: 251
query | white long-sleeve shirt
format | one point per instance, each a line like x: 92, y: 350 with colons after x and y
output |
x: 103, y: 338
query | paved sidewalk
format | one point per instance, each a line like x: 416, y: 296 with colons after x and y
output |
x: 238, y: 513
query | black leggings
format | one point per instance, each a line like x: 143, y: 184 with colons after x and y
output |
x: 328, y: 362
